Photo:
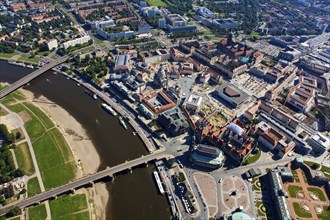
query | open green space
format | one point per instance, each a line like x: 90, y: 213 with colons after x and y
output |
x: 54, y: 167
x: 69, y: 207
x: 3, y: 112
x: 295, y: 176
x: 252, y: 158
x: 33, y: 187
x: 293, y: 190
x: 44, y: 53
x: 7, y: 56
x: 27, y: 58
x: 260, y: 204
x: 325, y: 215
x: 37, y: 212
x: 24, y: 159
x: 326, y: 171
x: 40, y: 115
x: 317, y: 192
x: 300, y: 212
x: 33, y: 127
x: 256, y: 184
x: 159, y: 3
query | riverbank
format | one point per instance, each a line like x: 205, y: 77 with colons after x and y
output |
x: 81, y: 146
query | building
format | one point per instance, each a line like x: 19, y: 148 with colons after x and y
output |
x: 118, y: 33
x: 102, y: 24
x: 240, y: 215
x: 76, y: 41
x: 158, y: 102
x: 194, y: 103
x: 279, y: 196
x: 273, y: 139
x: 205, y: 12
x: 161, y: 23
x: 207, y: 156
x: 319, y: 143
x: 155, y: 55
x: 225, y: 23
x: 122, y: 63
x: 232, y: 139
x: 143, y: 28
x: 52, y: 44
x: 186, y: 68
x: 173, y: 121
x: 301, y: 97
x: 175, y: 20
x: 231, y: 94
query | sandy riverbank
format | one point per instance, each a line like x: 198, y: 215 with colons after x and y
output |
x: 80, y: 144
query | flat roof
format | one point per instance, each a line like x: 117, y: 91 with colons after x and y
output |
x: 232, y: 92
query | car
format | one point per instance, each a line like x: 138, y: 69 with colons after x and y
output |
x: 180, y: 164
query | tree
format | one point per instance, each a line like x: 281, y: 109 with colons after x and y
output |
x: 13, y: 212
x: 18, y: 135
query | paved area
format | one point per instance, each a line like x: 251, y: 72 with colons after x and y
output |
x: 306, y: 198
x: 234, y: 194
x: 208, y: 187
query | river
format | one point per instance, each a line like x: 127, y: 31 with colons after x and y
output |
x: 131, y: 196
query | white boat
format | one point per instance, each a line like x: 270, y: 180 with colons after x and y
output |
x: 122, y: 122
x: 109, y: 109
x: 134, y: 133
x: 159, y: 183
x: 95, y: 96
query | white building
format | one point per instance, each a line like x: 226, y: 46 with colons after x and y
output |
x: 52, y: 44
x: 72, y: 43
x: 102, y: 24
x: 194, y: 103
x: 319, y: 143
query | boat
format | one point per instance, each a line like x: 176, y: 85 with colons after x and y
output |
x: 78, y: 84
x: 109, y: 109
x: 94, y: 96
x: 122, y: 122
x: 134, y: 133
x: 159, y: 183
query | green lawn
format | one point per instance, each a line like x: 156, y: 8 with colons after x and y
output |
x: 33, y: 187
x: 7, y: 56
x: 326, y: 171
x: 159, y: 3
x: 325, y: 215
x: 318, y: 192
x: 54, y: 167
x: 293, y: 190
x: 44, y: 53
x: 252, y: 158
x: 255, y: 186
x: 295, y: 176
x: 27, y: 58
x: 33, y: 127
x: 40, y: 115
x: 24, y: 159
x: 37, y: 212
x: 66, y: 207
x: 300, y: 212
x: 259, y: 204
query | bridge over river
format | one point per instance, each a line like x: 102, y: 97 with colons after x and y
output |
x: 86, y: 180
x: 26, y: 79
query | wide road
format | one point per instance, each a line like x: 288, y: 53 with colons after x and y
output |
x: 89, y: 179
x: 26, y: 79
